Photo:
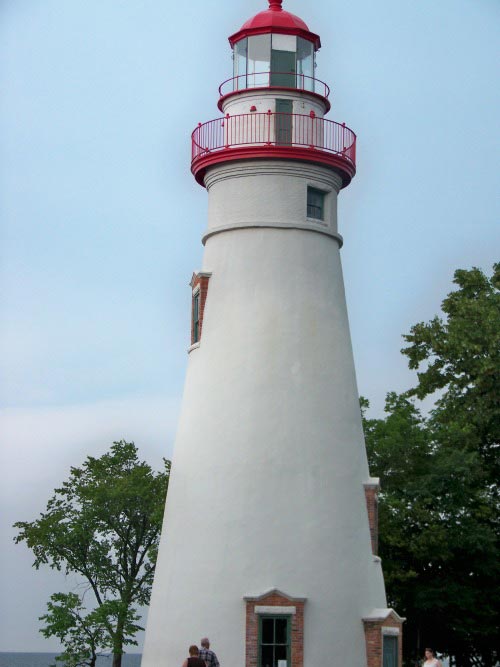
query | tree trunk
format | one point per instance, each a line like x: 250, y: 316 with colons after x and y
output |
x: 118, y: 644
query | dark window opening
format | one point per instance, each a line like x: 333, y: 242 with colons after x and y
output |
x: 315, y: 204
x: 274, y: 641
x: 196, y: 317
x: 284, y: 109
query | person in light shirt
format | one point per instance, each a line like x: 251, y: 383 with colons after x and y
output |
x: 430, y: 659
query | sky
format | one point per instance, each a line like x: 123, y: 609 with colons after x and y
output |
x: 101, y: 219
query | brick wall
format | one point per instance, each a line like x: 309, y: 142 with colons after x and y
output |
x: 371, y: 491
x: 274, y: 599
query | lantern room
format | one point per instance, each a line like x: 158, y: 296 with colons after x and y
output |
x: 274, y: 48
x: 273, y: 106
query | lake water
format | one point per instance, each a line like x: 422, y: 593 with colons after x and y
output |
x: 48, y: 659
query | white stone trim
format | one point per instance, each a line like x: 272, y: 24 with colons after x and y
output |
x: 272, y: 591
x: 276, y: 225
x: 274, y: 609
x: 373, y: 482
x: 381, y: 614
x: 197, y: 274
x: 317, y: 173
x: 196, y: 290
x: 394, y: 632
x: 194, y: 346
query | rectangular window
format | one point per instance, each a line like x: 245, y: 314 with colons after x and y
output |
x: 390, y: 651
x: 274, y: 641
x: 196, y: 317
x: 315, y: 204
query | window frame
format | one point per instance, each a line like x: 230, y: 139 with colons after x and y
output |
x: 386, y: 637
x: 196, y: 316
x: 310, y: 190
x: 288, y: 645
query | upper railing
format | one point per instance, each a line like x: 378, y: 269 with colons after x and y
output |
x: 274, y: 80
x: 274, y: 135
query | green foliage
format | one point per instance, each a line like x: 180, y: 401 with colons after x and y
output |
x: 460, y: 357
x: 439, y: 518
x: 103, y: 524
x: 83, y: 633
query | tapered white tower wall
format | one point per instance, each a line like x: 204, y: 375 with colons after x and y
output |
x: 267, y: 489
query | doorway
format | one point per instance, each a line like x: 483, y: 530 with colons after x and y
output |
x: 283, y: 125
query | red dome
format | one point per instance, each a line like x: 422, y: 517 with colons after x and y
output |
x: 277, y: 20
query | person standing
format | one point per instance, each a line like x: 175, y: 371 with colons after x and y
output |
x: 194, y: 659
x: 430, y: 659
x: 207, y: 655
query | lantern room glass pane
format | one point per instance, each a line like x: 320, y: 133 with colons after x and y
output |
x: 305, y: 64
x: 284, y: 42
x: 240, y: 64
x: 259, y: 60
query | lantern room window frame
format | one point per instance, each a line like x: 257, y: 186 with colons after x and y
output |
x: 253, y: 59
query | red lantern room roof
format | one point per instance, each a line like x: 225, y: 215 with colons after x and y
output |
x: 277, y: 20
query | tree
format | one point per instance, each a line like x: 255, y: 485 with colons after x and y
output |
x: 460, y: 357
x: 103, y: 524
x: 439, y: 519
x: 83, y: 634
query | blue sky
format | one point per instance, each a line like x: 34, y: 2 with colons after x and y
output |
x: 101, y: 220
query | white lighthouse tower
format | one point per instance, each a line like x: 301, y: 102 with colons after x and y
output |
x: 269, y: 539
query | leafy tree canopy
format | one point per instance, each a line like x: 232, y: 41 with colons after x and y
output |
x: 439, y: 518
x: 103, y: 524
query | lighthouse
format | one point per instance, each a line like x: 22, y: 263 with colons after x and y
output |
x: 269, y: 538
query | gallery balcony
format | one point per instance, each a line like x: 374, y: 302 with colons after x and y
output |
x: 285, y: 136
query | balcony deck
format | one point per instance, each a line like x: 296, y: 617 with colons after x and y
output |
x: 274, y: 136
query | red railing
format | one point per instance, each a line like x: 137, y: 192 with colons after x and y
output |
x: 283, y: 130
x: 274, y: 80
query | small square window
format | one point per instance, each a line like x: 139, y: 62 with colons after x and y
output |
x: 315, y: 204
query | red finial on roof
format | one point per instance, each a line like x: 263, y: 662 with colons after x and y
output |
x: 275, y: 5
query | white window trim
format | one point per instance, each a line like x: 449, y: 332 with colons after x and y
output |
x: 275, y: 610
x: 391, y: 632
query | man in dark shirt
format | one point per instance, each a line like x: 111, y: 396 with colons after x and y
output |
x: 207, y: 655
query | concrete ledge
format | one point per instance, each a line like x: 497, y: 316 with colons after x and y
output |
x: 274, y: 609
